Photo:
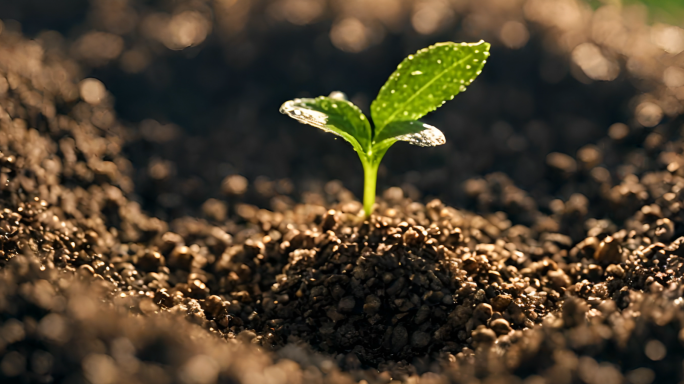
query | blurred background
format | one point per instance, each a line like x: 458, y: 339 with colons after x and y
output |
x: 574, y: 97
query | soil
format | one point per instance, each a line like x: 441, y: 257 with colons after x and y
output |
x: 566, y: 272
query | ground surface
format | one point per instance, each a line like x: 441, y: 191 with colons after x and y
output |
x: 142, y: 253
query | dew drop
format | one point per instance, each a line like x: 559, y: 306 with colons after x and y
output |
x: 439, y: 61
x: 404, y: 86
x: 478, y: 72
x: 462, y: 81
x: 475, y: 60
x: 416, y: 73
x: 298, y: 110
x: 410, y: 57
x: 392, y: 91
x: 477, y: 51
x: 334, y: 105
x: 468, y: 66
x: 336, y: 95
x: 428, y: 137
x: 362, y: 117
x: 405, y: 113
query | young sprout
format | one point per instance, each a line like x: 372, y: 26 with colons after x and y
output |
x: 422, y: 83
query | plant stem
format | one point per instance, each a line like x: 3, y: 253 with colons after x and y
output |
x: 370, y: 177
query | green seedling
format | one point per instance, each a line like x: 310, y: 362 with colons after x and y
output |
x: 421, y: 83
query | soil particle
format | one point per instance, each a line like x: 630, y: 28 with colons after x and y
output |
x: 399, y: 338
x: 420, y: 339
x: 500, y: 326
x: 483, y: 335
x: 346, y: 304
x: 501, y: 302
x: 608, y: 251
x: 372, y: 305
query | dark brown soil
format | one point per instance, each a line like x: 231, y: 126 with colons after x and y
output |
x: 579, y: 287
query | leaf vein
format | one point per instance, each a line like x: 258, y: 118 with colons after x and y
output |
x: 389, y: 119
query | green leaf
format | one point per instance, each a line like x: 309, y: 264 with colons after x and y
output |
x: 426, y: 80
x: 334, y: 115
x: 415, y: 132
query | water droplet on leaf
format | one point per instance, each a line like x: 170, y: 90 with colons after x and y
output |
x: 337, y: 95
x: 428, y: 137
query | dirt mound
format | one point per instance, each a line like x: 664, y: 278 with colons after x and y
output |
x: 92, y: 289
